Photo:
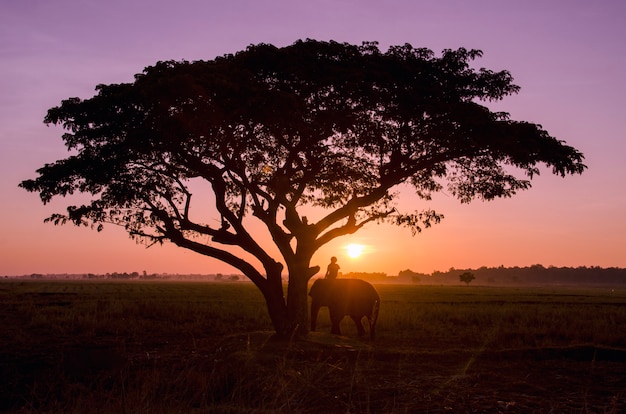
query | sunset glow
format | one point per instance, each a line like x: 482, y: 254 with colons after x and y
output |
x: 567, y: 57
x: 354, y: 250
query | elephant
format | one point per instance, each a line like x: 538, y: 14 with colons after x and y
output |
x: 354, y: 297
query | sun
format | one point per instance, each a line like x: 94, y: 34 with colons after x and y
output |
x: 355, y: 250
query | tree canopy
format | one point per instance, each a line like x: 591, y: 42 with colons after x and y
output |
x: 467, y: 277
x: 271, y: 130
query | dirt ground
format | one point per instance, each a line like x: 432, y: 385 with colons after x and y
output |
x: 327, y: 374
x: 250, y: 373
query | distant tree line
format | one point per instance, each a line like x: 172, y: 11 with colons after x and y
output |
x: 494, y: 276
x: 375, y: 277
x: 505, y: 276
x: 532, y: 275
x: 129, y: 276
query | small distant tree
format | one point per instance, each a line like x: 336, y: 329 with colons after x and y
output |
x: 467, y: 277
x: 274, y: 133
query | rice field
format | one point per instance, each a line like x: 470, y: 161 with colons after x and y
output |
x: 192, y: 347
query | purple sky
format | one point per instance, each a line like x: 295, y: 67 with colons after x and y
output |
x: 568, y: 56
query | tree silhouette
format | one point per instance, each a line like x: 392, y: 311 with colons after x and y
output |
x: 467, y: 277
x: 330, y: 127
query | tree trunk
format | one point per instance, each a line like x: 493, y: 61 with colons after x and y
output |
x: 291, y: 317
x: 297, y: 303
x: 300, y: 273
x: 275, y: 301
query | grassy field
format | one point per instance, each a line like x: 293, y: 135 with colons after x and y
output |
x: 173, y: 347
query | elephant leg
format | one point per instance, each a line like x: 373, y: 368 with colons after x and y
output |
x: 372, y: 323
x: 373, y: 317
x: 314, y: 311
x: 359, y: 325
x: 335, y: 319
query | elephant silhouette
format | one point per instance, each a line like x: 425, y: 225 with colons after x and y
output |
x: 354, y: 297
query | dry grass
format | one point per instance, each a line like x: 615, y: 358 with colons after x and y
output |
x: 94, y: 347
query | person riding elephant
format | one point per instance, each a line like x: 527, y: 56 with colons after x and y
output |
x: 333, y: 269
x: 353, y: 297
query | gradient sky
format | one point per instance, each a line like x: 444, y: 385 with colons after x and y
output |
x: 568, y: 56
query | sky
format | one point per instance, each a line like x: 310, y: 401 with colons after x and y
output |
x: 568, y: 57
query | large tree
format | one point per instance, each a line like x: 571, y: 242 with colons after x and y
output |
x: 273, y: 132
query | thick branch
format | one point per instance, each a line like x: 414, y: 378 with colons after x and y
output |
x: 178, y: 238
x: 350, y: 227
x: 350, y: 208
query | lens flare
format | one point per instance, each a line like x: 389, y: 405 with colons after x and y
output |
x: 355, y: 250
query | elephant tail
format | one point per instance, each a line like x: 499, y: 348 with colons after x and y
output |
x: 372, y: 319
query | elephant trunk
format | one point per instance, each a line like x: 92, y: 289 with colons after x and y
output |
x: 315, y: 308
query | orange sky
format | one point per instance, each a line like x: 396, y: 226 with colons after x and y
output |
x: 567, y: 56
